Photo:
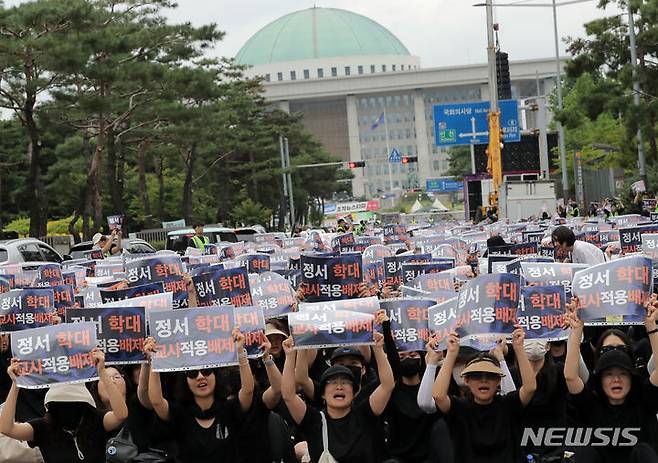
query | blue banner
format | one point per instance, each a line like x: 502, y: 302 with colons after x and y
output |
x: 316, y: 330
x: 223, y: 287
x: 55, y: 354
x: 408, y: 322
x: 166, y: 269
x: 22, y: 309
x: 191, y: 339
x: 329, y: 278
x: 543, y: 312
x: 631, y: 238
x: 120, y: 331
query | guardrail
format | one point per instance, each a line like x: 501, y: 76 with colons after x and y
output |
x: 61, y: 244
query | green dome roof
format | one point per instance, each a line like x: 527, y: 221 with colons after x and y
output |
x: 318, y: 33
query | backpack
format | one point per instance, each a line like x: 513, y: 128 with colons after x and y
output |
x: 326, y: 457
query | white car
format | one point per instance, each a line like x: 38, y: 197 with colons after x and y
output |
x: 27, y: 250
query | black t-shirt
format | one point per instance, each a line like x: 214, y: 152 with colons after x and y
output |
x: 352, y: 439
x: 638, y: 411
x: 59, y: 446
x: 197, y: 444
x: 253, y: 434
x: 485, y: 433
x: 409, y: 426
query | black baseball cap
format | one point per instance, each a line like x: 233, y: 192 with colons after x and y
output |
x: 614, y: 358
x: 347, y: 351
x: 337, y: 371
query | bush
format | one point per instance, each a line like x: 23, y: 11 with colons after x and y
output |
x: 55, y: 227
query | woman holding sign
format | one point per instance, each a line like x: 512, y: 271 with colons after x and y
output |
x: 344, y: 431
x: 204, y: 424
x: 483, y: 424
x: 73, y: 429
x: 617, y: 404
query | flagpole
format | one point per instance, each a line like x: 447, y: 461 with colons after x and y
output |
x: 388, y: 154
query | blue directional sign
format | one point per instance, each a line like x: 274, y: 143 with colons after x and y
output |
x: 395, y: 156
x: 467, y: 123
x: 443, y: 185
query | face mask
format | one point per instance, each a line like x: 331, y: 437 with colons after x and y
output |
x: 67, y: 415
x: 457, y: 375
x: 535, y: 349
x: 409, y: 367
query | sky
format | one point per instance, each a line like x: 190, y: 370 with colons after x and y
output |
x: 441, y: 32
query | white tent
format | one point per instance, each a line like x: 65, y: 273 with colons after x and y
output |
x: 416, y: 207
x: 438, y: 205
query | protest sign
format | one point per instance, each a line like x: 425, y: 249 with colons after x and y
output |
x: 393, y: 266
x: 74, y: 276
x: 328, y: 278
x: 369, y: 305
x: 190, y: 339
x: 273, y: 294
x: 411, y: 271
x: 114, y: 222
x: 376, y: 252
x: 93, y: 254
x: 22, y: 309
x: 120, y: 331
x: 631, y: 238
x: 619, y: 287
x: 254, y: 263
x: 166, y: 268
x: 543, y: 312
x: 498, y: 263
x: 432, y: 282
x: 63, y: 297
x: 489, y: 304
x: 108, y: 269
x: 252, y: 325
x: 223, y: 287
x: 443, y: 318
x: 514, y: 266
x: 438, y: 296
x: 342, y: 240
x: 316, y: 330
x: 519, y: 249
x: 7, y: 283
x: 650, y: 245
x: 445, y: 251
x: 161, y: 301
x: 395, y: 233
x: 89, y: 297
x: 408, y: 322
x: 48, y: 275
x: 106, y: 296
x: 373, y: 273
x: 55, y: 354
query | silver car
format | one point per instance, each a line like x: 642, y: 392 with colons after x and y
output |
x: 27, y: 250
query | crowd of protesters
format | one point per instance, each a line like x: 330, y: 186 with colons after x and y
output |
x: 357, y: 404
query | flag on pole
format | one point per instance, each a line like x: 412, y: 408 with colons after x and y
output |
x: 378, y: 122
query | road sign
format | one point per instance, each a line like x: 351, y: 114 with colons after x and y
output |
x: 443, y: 185
x: 467, y: 123
x: 395, y: 156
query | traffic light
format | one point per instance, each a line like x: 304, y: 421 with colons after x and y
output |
x: 503, y: 77
x: 409, y: 159
x: 355, y: 164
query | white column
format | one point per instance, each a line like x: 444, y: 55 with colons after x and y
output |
x: 358, y: 188
x: 422, y: 147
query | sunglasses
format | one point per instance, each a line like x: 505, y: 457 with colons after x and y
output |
x: 481, y: 375
x: 620, y: 347
x: 205, y: 372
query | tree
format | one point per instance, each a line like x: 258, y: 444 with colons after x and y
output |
x: 459, y: 161
x: 248, y: 212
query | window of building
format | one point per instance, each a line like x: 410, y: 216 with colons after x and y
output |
x: 373, y: 103
x: 320, y: 73
x: 380, y: 101
x: 372, y: 69
x: 402, y: 67
x: 307, y: 74
x: 383, y: 68
x: 408, y: 133
x: 393, y: 67
x: 389, y: 100
x: 348, y: 71
x: 405, y: 99
x: 359, y: 69
x: 396, y: 184
x: 293, y: 75
x: 267, y: 77
x: 396, y: 100
x: 334, y: 72
x: 279, y: 76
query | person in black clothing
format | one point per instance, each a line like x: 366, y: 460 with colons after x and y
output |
x: 203, y: 421
x: 617, y: 398
x: 73, y: 430
x: 351, y: 427
x: 483, y: 425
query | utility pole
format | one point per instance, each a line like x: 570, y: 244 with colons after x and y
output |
x: 284, y: 177
x: 290, y: 193
x: 636, y: 94
x: 493, y: 151
x: 560, y: 129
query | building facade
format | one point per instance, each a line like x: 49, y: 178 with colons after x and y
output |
x: 362, y: 94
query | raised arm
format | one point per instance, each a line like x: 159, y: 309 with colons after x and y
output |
x: 8, y: 427
x: 301, y: 373
x: 652, y: 332
x: 272, y: 394
x: 119, y: 413
x: 246, y: 393
x: 425, y: 401
x: 381, y: 318
x: 500, y: 351
x: 143, y: 386
x: 528, y: 378
x: 442, y: 383
x: 380, y: 397
x: 158, y: 402
x: 575, y: 384
x: 295, y: 404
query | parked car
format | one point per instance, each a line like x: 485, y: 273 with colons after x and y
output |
x: 179, y: 240
x: 130, y: 245
x: 28, y: 250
